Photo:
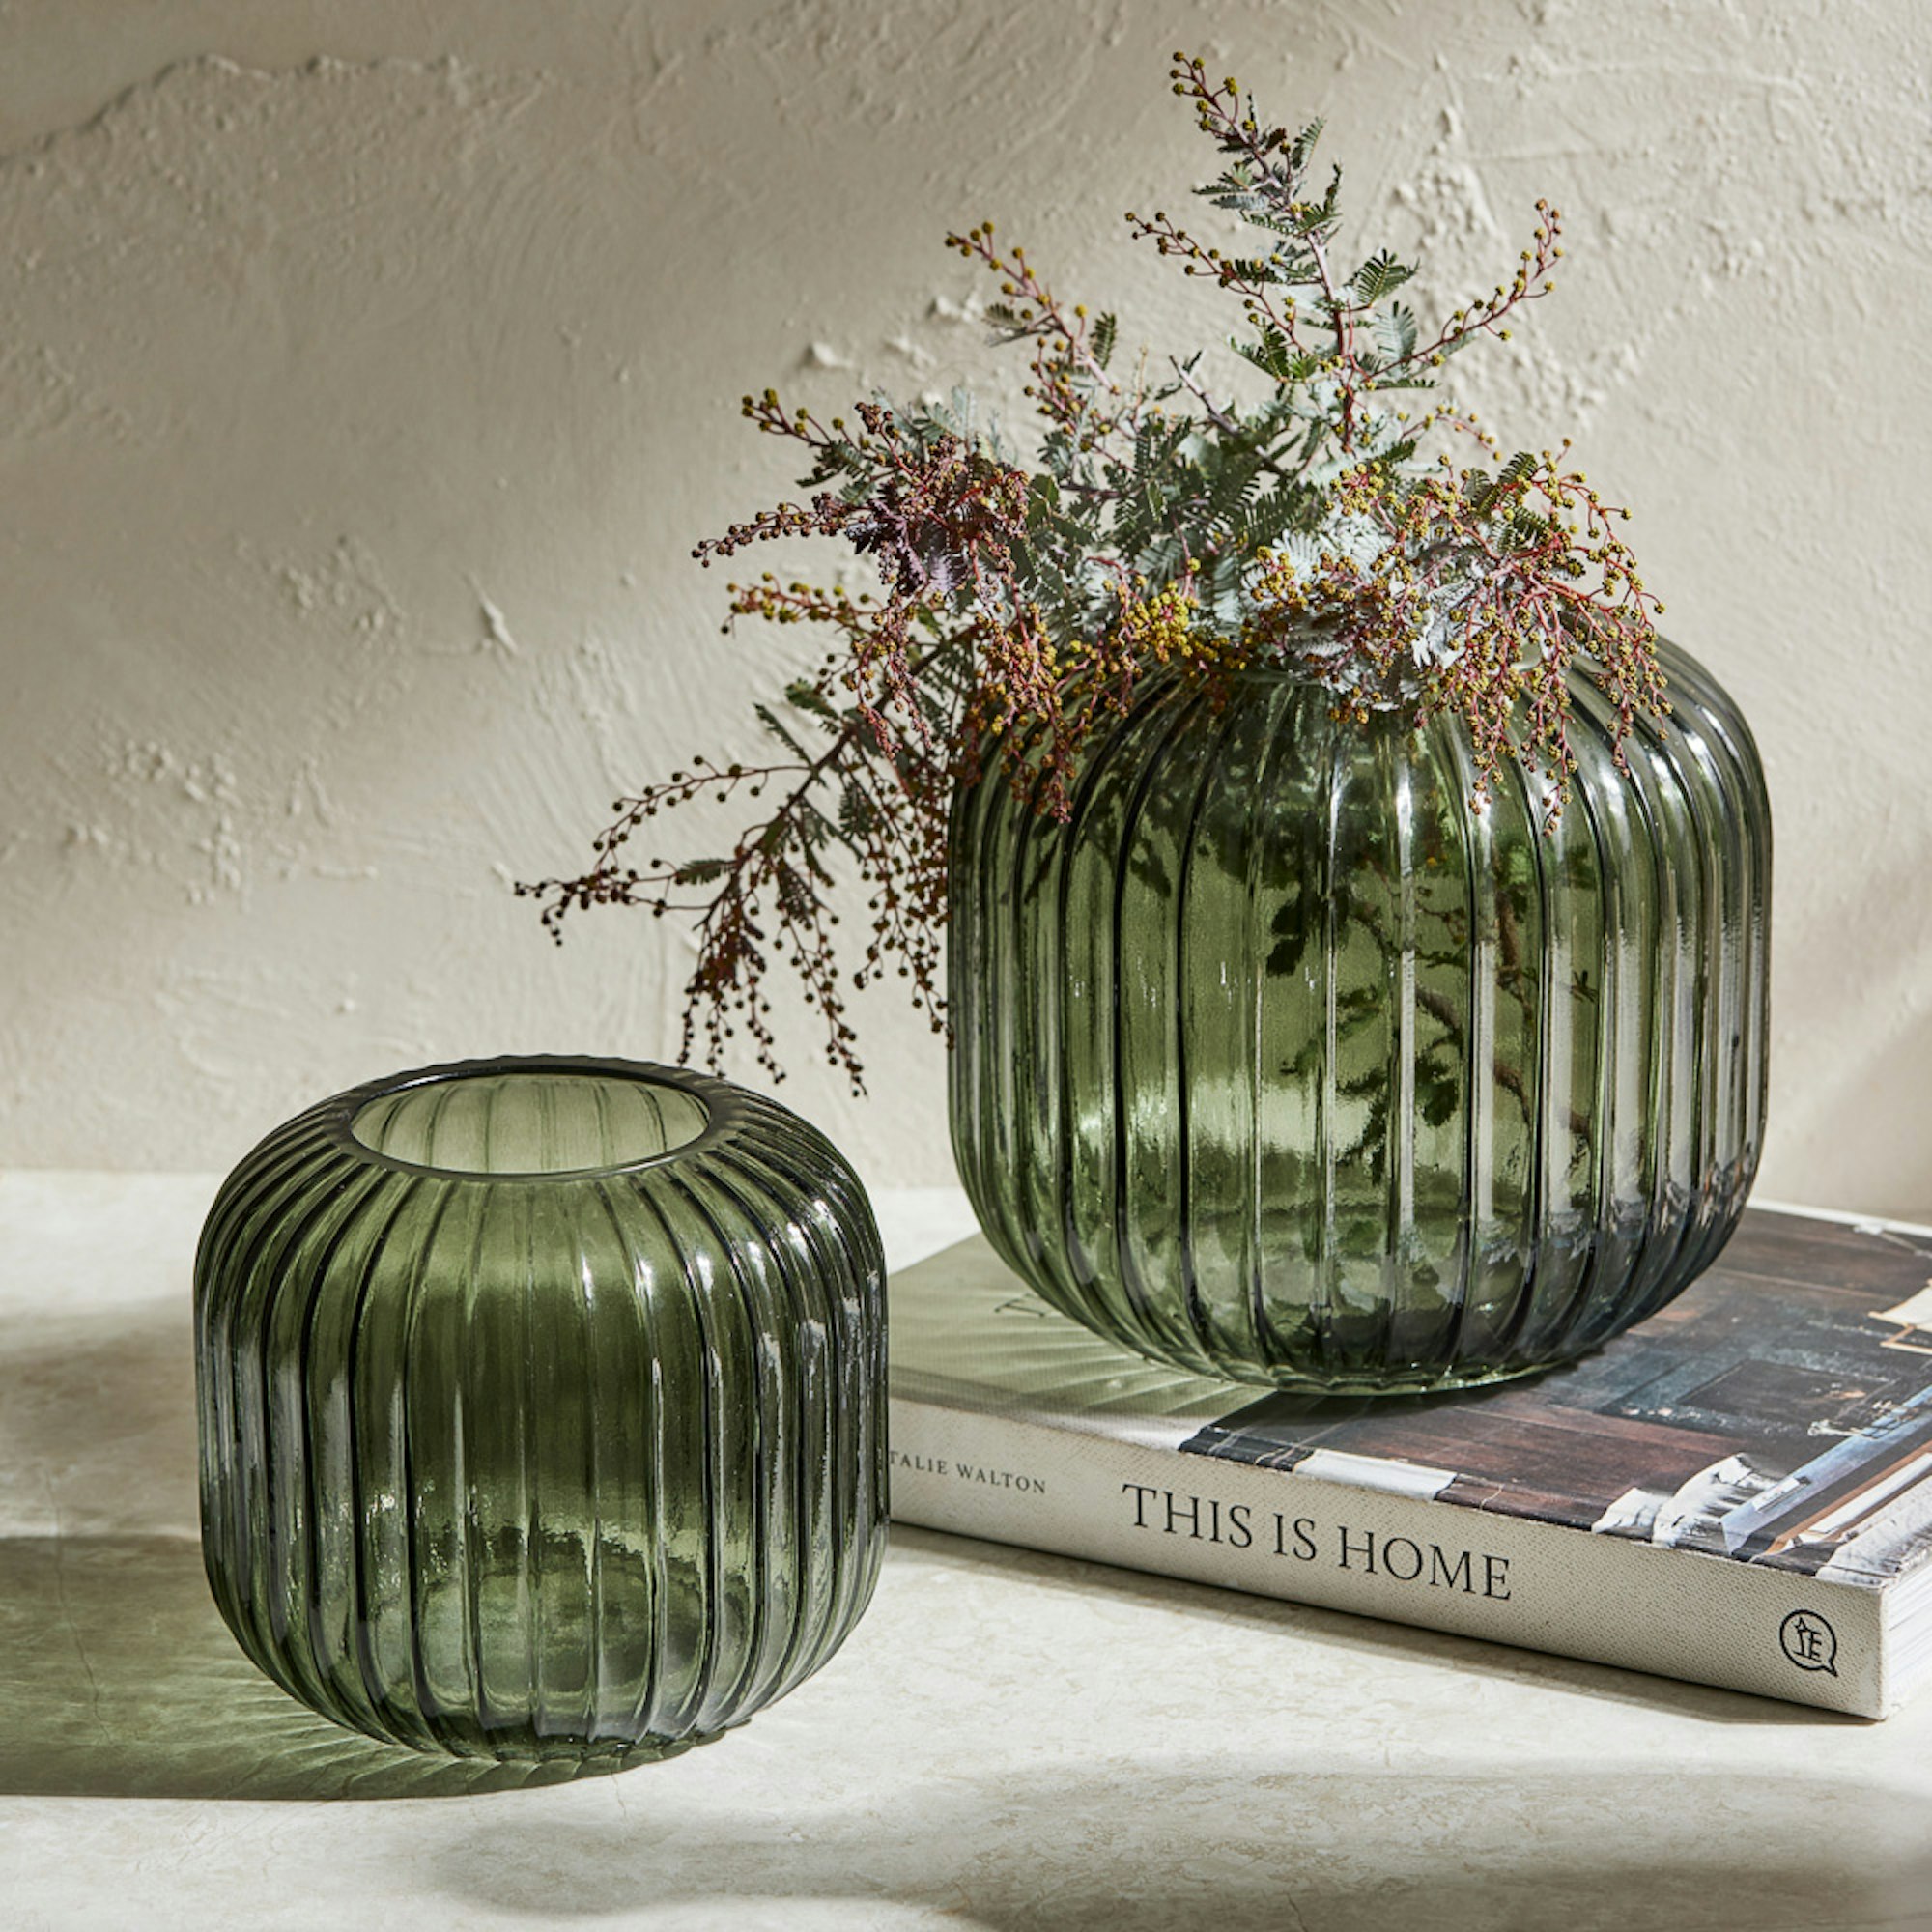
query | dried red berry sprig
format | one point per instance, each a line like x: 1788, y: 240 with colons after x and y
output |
x: 1500, y: 581
x: 766, y: 897
x: 1071, y: 387
x: 1158, y: 528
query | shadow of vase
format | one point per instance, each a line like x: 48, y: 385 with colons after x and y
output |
x: 118, y: 1677
x: 1167, y: 1844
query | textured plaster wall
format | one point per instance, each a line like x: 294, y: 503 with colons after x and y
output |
x: 367, y: 370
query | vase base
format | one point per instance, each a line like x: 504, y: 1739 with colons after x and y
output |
x: 1420, y: 1382
x: 1393, y: 1379
x: 560, y: 1754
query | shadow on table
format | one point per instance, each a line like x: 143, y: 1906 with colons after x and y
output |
x: 118, y: 1677
x: 1174, y: 1846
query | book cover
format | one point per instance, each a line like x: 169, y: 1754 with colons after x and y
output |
x: 1735, y: 1492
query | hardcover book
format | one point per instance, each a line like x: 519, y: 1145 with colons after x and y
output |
x: 1738, y: 1493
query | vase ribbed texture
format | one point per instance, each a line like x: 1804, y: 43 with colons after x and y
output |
x: 542, y: 1406
x: 1277, y: 1062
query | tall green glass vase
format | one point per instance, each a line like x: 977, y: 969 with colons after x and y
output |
x: 543, y: 1406
x: 1277, y: 1062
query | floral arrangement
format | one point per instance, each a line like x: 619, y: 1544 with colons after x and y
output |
x: 1154, y: 526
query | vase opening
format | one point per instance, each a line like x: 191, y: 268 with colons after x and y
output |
x: 531, y: 1121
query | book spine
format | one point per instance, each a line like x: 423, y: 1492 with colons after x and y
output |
x: 1449, y: 1566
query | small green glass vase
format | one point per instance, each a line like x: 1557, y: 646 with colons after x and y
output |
x: 1277, y: 1062
x: 542, y: 1406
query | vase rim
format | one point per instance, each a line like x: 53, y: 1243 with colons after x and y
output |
x: 719, y: 1106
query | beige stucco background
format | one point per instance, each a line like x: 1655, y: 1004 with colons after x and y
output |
x: 368, y: 369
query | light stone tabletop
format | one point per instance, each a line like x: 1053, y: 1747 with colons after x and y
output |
x: 1009, y: 1741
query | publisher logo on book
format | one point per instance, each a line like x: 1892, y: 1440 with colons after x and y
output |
x: 1809, y: 1642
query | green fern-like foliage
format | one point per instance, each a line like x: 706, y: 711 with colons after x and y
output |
x: 1151, y: 522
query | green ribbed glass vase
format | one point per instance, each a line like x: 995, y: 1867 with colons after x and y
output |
x: 1276, y: 1062
x: 542, y: 1406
